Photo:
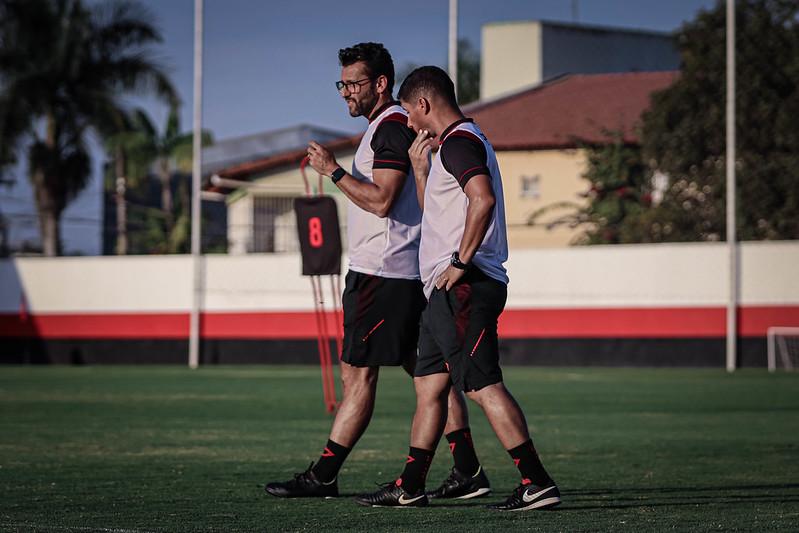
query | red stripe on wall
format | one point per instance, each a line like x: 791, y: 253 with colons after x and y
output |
x: 689, y: 322
x: 603, y: 323
x: 277, y: 325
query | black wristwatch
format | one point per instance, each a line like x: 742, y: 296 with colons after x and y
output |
x: 338, y: 174
x: 455, y: 261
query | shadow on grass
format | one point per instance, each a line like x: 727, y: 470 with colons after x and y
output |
x: 625, y: 498
x: 666, y: 490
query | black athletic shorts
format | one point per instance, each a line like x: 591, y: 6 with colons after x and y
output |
x: 459, y: 332
x: 381, y: 319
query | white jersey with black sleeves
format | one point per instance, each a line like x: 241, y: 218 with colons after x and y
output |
x: 464, y: 152
x: 386, y: 247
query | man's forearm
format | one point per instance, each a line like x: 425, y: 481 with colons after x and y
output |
x: 478, y: 217
x: 421, y: 184
x: 368, y: 196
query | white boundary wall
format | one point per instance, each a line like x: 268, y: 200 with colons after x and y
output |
x: 662, y: 275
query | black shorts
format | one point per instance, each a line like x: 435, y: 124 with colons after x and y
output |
x: 381, y: 319
x: 459, y: 332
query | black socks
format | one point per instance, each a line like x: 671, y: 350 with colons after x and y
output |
x: 416, y: 467
x: 460, y: 444
x: 528, y: 463
x: 326, y: 469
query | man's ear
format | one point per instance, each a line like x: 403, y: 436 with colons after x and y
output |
x: 424, y: 105
x: 381, y: 84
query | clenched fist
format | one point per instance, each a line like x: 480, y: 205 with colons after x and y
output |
x: 321, y: 159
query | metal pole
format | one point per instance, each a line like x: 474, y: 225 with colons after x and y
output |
x: 453, y: 43
x: 732, y: 302
x: 196, y: 213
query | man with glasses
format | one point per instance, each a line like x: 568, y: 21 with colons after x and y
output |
x: 383, y: 296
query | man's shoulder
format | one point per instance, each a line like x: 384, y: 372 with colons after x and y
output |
x: 464, y: 134
x: 392, y: 127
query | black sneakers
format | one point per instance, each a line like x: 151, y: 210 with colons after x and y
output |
x: 526, y: 497
x: 462, y: 487
x: 304, y: 485
x: 391, y: 495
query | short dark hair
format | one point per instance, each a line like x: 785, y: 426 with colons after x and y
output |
x: 377, y: 59
x: 428, y: 80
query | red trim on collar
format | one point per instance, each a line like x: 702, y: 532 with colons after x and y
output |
x: 461, y: 133
x: 396, y: 117
x: 376, y: 113
x: 449, y: 129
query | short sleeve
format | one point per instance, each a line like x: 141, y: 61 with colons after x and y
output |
x: 391, y: 142
x: 464, y: 156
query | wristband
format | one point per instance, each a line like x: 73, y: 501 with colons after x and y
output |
x: 338, y: 174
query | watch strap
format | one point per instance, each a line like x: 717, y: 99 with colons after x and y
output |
x: 337, y: 174
x: 455, y: 261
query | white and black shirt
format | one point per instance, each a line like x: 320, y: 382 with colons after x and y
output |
x: 464, y: 152
x: 386, y: 247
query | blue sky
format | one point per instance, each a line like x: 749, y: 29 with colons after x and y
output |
x: 272, y: 63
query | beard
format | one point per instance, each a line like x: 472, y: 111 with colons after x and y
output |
x: 362, y: 107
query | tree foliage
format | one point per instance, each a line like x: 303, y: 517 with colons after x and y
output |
x: 142, y: 156
x: 684, y: 131
x: 64, y: 68
x: 680, y: 163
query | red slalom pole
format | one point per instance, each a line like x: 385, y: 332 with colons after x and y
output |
x: 323, y: 339
x: 324, y: 354
x: 335, y: 287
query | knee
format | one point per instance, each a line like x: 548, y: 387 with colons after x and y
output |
x: 358, y: 381
x: 431, y: 390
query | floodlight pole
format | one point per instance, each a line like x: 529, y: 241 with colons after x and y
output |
x: 732, y: 302
x: 453, y: 43
x: 196, y: 205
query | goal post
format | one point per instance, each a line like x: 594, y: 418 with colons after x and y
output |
x: 783, y: 347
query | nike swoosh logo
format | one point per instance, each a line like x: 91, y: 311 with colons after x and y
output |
x: 527, y: 497
x: 403, y: 501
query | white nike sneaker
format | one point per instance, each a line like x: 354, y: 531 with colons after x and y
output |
x: 392, y: 495
x: 526, y: 497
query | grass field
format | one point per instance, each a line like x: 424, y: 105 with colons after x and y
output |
x: 169, y: 449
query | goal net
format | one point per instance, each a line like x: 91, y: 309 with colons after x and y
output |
x: 783, y: 348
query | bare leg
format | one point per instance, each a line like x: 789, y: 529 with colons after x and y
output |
x: 431, y: 410
x: 357, y: 404
x: 503, y: 413
x: 457, y: 413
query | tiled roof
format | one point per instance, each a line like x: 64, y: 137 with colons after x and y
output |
x: 247, y: 171
x: 573, y: 108
x: 229, y: 153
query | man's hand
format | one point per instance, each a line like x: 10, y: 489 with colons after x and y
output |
x: 449, y: 277
x: 321, y: 159
x: 419, y: 153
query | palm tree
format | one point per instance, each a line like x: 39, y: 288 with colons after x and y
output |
x: 132, y: 155
x: 173, y: 152
x: 63, y: 70
x: 135, y: 149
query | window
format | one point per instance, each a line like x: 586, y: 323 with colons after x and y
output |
x: 274, y: 225
x: 531, y: 187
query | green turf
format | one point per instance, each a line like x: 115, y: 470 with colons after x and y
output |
x: 169, y: 449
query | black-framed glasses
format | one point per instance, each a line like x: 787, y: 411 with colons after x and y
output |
x: 351, y: 86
